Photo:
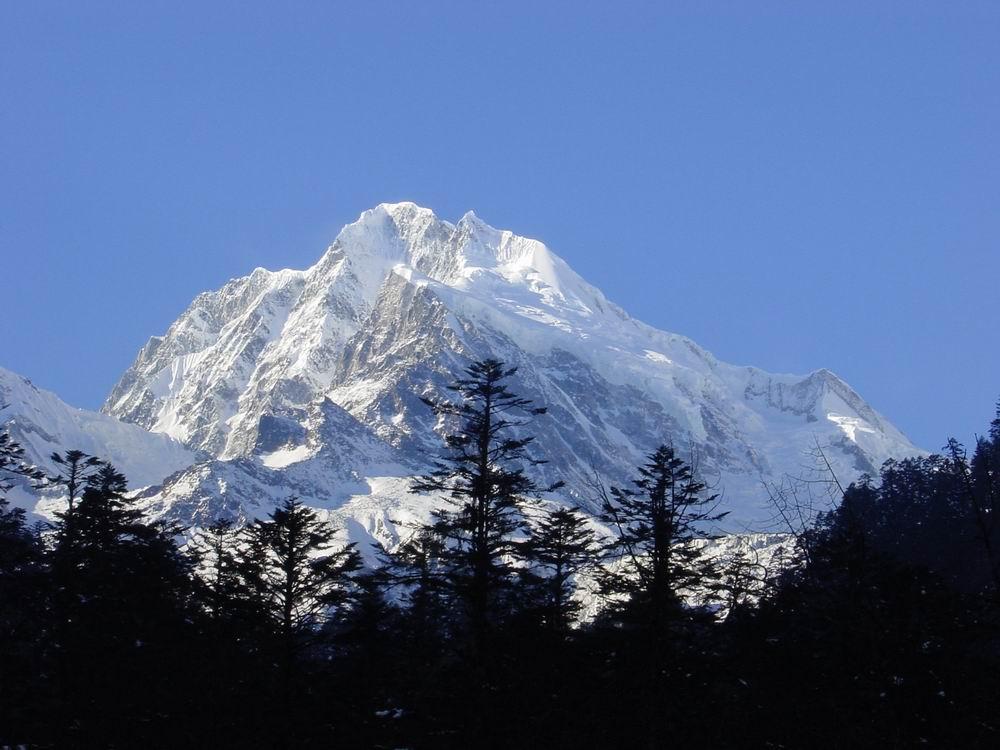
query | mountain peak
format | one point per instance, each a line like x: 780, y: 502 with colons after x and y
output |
x: 471, y: 218
x: 408, y: 212
x: 405, y: 211
x: 403, y: 299
x: 405, y: 233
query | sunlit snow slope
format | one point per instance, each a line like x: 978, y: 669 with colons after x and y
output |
x: 43, y: 425
x: 310, y: 381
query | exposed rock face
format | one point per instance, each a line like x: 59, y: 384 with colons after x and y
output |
x: 310, y: 381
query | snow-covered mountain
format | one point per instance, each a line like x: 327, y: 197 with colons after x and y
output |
x: 43, y: 425
x: 310, y: 381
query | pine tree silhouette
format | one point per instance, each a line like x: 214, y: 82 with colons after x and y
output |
x: 295, y: 573
x: 656, y: 562
x: 23, y: 623
x: 77, y: 467
x: 483, y: 476
x: 560, y: 544
x: 299, y: 582
x: 13, y: 464
x: 656, y: 559
x: 122, y: 611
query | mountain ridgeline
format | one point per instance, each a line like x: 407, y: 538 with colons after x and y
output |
x: 311, y: 381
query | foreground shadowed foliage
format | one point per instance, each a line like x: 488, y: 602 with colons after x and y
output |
x: 881, y: 630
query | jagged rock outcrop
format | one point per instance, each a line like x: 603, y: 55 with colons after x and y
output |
x: 310, y: 381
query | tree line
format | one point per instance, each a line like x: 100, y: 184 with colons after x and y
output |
x: 878, y: 629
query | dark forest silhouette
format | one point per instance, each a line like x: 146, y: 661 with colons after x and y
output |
x: 879, y: 629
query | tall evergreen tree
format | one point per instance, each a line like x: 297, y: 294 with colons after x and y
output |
x: 656, y: 556
x: 918, y: 513
x: 416, y: 570
x: 300, y: 584
x: 483, y: 475
x: 23, y: 623
x: 560, y: 545
x: 982, y: 487
x: 222, y: 588
x: 22, y: 603
x: 656, y: 561
x: 122, y: 611
x: 76, y: 467
x: 858, y: 636
x: 295, y: 574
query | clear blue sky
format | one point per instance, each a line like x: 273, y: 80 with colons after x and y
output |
x: 793, y: 185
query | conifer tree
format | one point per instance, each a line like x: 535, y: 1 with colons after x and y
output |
x: 222, y: 588
x: 299, y: 584
x: 657, y: 524
x: 652, y: 565
x: 560, y: 545
x: 295, y: 575
x: 483, y: 476
x: 983, y: 492
x: 857, y: 636
x: 122, y: 610
x: 416, y: 570
x: 23, y: 623
x: 20, y: 548
x: 77, y: 467
x: 13, y: 464
x: 106, y: 517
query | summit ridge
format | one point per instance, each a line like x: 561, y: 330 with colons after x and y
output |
x: 399, y: 302
x: 310, y: 382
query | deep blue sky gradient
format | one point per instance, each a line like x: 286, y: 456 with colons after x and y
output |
x: 793, y: 185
